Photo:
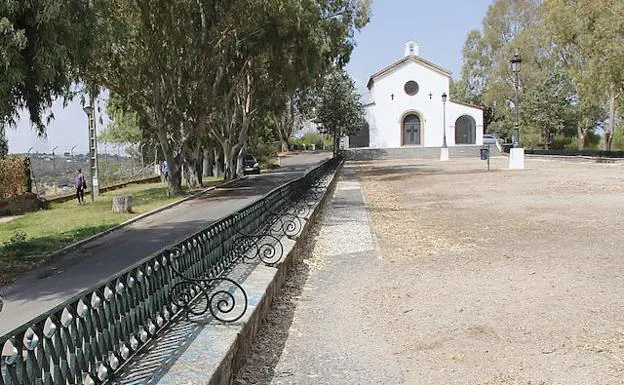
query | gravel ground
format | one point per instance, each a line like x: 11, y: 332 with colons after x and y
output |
x: 506, y: 277
x: 318, y: 331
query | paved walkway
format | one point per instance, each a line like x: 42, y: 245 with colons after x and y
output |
x: 98, y: 260
x: 9, y: 219
x: 319, y: 332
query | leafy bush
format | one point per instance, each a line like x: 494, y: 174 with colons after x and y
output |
x: 577, y: 152
x: 571, y: 143
x: 264, y: 150
x: 14, y: 177
x: 16, y: 240
x: 532, y: 139
x: 317, y: 139
x: 562, y: 142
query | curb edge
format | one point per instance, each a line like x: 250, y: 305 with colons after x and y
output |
x: 52, y: 257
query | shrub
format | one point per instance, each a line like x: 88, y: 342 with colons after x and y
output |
x: 14, y: 177
x: 263, y: 150
x: 532, y: 140
x: 317, y: 139
x: 16, y: 240
x: 562, y: 142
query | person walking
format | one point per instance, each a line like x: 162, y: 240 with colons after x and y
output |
x: 165, y: 170
x: 81, y: 185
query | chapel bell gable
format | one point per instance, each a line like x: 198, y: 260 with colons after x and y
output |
x: 411, y: 48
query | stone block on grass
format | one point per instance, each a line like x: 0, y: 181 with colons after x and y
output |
x: 122, y: 204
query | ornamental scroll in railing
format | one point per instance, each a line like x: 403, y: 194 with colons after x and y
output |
x: 87, y: 339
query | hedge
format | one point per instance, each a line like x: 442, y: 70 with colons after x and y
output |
x: 569, y: 152
x: 14, y: 177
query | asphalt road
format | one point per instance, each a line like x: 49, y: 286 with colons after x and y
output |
x: 43, y: 289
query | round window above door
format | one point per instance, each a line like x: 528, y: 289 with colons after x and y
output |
x: 411, y: 88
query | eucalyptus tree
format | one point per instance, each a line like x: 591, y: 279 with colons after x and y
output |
x: 547, y: 93
x: 276, y: 48
x: 588, y: 36
x: 190, y: 69
x: 153, y: 55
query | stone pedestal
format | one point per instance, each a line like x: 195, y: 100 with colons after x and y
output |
x: 122, y: 204
x: 516, y: 159
x: 444, y: 154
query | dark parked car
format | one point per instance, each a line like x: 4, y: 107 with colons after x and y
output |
x: 250, y: 164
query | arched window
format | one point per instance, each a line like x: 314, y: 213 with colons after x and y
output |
x: 411, y: 129
x: 465, y: 130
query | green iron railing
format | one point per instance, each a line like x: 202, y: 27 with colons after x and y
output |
x: 90, y: 337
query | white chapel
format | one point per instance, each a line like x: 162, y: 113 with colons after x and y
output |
x: 405, y: 107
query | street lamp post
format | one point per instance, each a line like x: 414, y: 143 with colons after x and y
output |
x: 105, y: 161
x: 93, y: 162
x: 515, y: 67
x: 54, y: 169
x: 444, y: 151
x: 119, y: 160
x: 516, y: 154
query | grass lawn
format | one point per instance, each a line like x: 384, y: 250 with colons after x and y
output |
x: 26, y: 241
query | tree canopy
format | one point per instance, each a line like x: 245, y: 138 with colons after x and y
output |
x: 187, y: 73
x: 571, y: 68
x: 339, y: 112
x: 42, y: 45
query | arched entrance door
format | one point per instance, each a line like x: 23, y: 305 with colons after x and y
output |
x: 411, y: 130
x: 465, y: 130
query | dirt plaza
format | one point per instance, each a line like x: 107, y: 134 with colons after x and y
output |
x: 476, y: 277
x: 506, y: 277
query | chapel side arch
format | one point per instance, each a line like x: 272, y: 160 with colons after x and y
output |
x: 465, y: 130
x: 409, y: 116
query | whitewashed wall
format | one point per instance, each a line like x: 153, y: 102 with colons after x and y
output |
x: 455, y: 111
x: 385, y: 116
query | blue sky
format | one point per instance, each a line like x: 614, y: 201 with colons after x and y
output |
x: 440, y: 28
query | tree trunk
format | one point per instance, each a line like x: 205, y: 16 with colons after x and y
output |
x: 192, y: 173
x: 583, y: 138
x: 192, y: 163
x: 174, y: 180
x: 336, y: 144
x: 207, y: 160
x: 230, y: 160
x: 200, y: 169
x: 286, y: 123
x: 218, y: 162
x: 285, y: 144
x: 240, y: 167
x: 611, y: 127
